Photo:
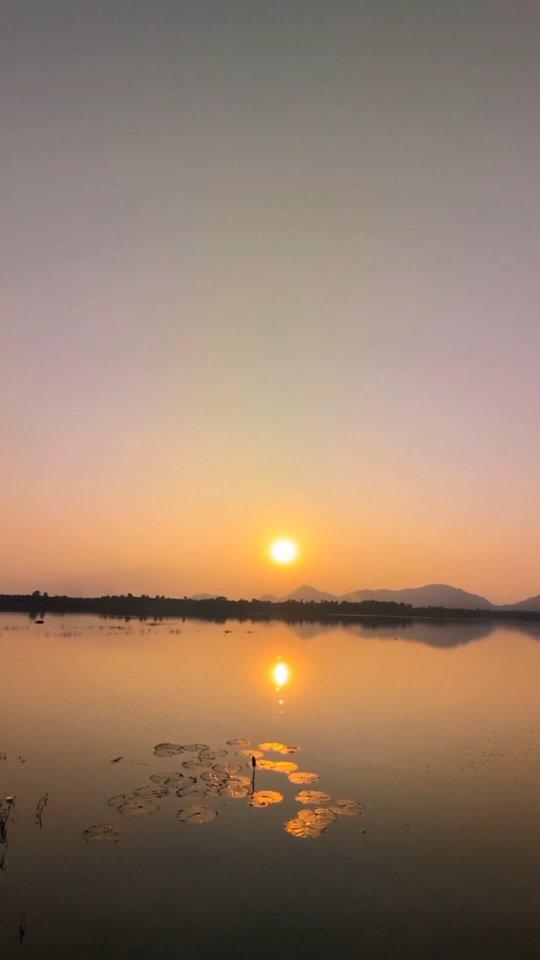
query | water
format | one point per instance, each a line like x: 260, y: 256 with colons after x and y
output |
x: 434, y: 727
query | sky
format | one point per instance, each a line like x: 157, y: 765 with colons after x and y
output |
x: 269, y: 269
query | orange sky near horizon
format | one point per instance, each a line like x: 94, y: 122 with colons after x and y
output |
x: 270, y: 271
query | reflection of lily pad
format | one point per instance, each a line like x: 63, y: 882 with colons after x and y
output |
x: 168, y: 749
x: 198, y: 814
x: 138, y: 807
x: 102, y: 833
x: 312, y: 797
x: 303, y: 829
x: 252, y: 753
x: 239, y: 742
x: 300, y: 777
x: 276, y: 747
x: 265, y: 798
x: 346, y: 808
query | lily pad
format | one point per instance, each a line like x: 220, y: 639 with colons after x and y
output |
x: 236, y: 788
x: 138, y: 807
x: 265, y: 798
x: 197, y: 815
x: 239, y: 742
x: 210, y: 755
x: 196, y: 765
x: 102, y: 833
x: 301, y: 778
x: 312, y: 797
x: 215, y: 778
x: 346, y: 808
x: 253, y: 753
x: 275, y: 747
x: 154, y: 790
x: 195, y: 747
x: 230, y: 769
x: 187, y: 787
x: 116, y: 801
x: 168, y: 749
x: 303, y: 829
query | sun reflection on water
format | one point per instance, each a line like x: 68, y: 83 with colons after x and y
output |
x: 281, y: 674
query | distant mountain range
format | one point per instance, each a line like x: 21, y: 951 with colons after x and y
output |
x: 432, y: 595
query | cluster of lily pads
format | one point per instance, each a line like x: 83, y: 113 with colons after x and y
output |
x: 204, y: 774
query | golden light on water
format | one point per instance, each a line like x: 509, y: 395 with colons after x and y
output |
x: 284, y: 550
x: 281, y: 674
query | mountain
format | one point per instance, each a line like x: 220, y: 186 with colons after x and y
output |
x: 432, y: 595
x: 309, y: 595
x: 269, y: 598
x: 532, y: 604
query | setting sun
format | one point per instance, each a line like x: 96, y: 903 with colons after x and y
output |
x: 284, y: 551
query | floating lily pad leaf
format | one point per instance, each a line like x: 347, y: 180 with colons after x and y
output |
x: 265, y: 764
x: 138, y: 807
x: 195, y: 765
x: 230, y: 769
x: 275, y: 747
x: 303, y: 829
x: 265, y: 798
x: 303, y: 778
x: 324, y: 815
x: 236, y: 789
x: 3, y: 756
x: 285, y: 766
x: 197, y: 815
x: 210, y: 755
x: 116, y: 801
x: 168, y: 749
x: 346, y: 808
x: 252, y: 753
x: 215, y: 778
x: 195, y: 747
x: 188, y: 786
x: 239, y: 742
x: 160, y: 777
x: 102, y: 833
x: 312, y: 797
x: 155, y: 790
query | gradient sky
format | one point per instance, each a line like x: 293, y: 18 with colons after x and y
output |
x: 269, y: 268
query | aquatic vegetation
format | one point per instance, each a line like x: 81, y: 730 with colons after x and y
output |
x: 188, y: 786
x: 138, y: 807
x: 168, y: 749
x: 275, y: 747
x: 40, y: 807
x: 239, y: 742
x: 116, y: 801
x: 210, y: 755
x: 195, y: 747
x: 102, y: 833
x: 231, y: 769
x: 194, y: 764
x: 300, y: 777
x: 152, y: 790
x: 196, y: 815
x: 265, y: 798
x: 303, y: 829
x: 312, y: 797
x: 346, y: 808
x: 252, y: 753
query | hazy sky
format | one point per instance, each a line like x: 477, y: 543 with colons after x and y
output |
x: 269, y: 268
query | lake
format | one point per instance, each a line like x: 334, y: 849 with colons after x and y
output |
x: 432, y: 728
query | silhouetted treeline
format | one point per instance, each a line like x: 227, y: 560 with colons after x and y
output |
x: 221, y: 609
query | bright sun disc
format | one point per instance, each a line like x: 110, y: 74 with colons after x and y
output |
x: 284, y: 551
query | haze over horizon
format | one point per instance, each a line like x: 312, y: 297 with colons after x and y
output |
x: 270, y: 270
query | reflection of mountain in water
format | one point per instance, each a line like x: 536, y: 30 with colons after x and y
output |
x: 434, y: 633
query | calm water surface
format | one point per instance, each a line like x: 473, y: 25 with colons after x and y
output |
x: 435, y: 728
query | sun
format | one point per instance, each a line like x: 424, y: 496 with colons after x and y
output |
x: 284, y: 550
